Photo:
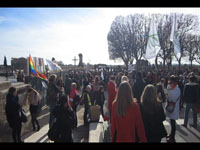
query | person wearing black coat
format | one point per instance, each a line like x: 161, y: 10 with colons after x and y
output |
x: 191, y: 98
x: 87, y: 103
x: 160, y: 91
x: 12, y: 113
x: 100, y: 99
x: 153, y: 115
x: 138, y: 86
x: 64, y: 120
x: 68, y: 82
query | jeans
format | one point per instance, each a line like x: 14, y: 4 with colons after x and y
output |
x: 86, y: 111
x: 75, y: 115
x: 16, y: 132
x: 188, y: 107
x: 173, y: 128
x: 51, y: 118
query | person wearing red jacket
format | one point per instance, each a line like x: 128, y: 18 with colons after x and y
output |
x: 126, y: 117
x: 112, y: 92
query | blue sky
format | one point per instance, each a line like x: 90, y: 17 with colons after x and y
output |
x: 63, y: 32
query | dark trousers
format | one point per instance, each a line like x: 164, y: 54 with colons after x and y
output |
x: 87, y: 114
x: 34, y: 121
x: 16, y: 132
x: 86, y: 111
x: 33, y: 111
x: 101, y: 103
x: 173, y: 128
x: 188, y: 107
x: 74, y: 109
x: 51, y: 116
x: 154, y: 140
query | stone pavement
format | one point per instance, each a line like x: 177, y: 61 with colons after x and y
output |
x: 183, y: 134
x: 80, y: 134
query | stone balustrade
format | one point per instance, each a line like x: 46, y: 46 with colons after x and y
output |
x: 5, y: 130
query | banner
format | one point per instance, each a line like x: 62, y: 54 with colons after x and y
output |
x: 53, y: 66
x: 153, y: 45
x: 174, y: 37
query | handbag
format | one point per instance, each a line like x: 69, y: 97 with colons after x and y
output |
x: 52, y: 133
x: 95, y: 113
x: 171, y: 105
x: 22, y: 115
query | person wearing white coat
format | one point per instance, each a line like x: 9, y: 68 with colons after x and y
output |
x: 174, y: 96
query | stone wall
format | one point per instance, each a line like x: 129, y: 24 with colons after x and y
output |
x: 5, y: 130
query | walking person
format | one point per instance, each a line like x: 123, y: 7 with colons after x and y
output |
x: 191, y: 97
x: 174, y: 94
x: 34, y: 102
x: 101, y: 99
x: 12, y: 114
x: 52, y: 96
x: 126, y: 117
x: 153, y: 115
x: 87, y: 104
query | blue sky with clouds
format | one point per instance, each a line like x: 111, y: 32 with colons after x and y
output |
x: 63, y: 32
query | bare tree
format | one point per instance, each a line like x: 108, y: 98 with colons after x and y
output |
x: 191, y: 47
x: 119, y: 41
x: 186, y: 24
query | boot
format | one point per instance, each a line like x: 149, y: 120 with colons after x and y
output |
x: 38, y: 129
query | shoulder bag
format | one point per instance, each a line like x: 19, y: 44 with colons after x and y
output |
x: 171, y: 105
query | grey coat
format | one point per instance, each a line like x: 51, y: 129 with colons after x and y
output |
x: 173, y: 96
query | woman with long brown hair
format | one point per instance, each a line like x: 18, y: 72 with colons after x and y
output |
x: 126, y: 117
x: 153, y: 115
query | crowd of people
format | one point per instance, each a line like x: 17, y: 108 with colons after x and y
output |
x: 136, y: 103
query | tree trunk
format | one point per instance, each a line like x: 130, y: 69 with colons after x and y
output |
x: 191, y: 64
x: 179, y: 64
x: 156, y: 62
x: 164, y: 63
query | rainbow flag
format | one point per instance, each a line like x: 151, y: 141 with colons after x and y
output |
x: 34, y: 71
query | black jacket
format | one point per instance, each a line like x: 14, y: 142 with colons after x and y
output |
x: 52, y: 92
x: 64, y: 123
x: 138, y: 88
x: 12, y: 110
x: 191, y: 93
x: 100, y: 98
x: 161, y: 91
x: 153, y: 122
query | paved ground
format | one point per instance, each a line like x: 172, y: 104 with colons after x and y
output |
x: 183, y: 134
x: 79, y: 135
